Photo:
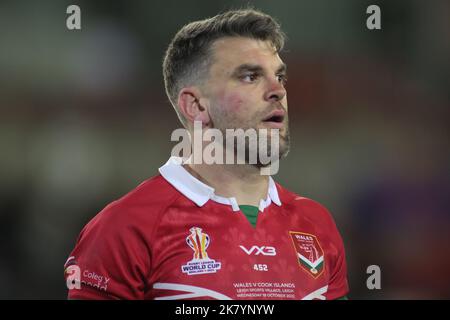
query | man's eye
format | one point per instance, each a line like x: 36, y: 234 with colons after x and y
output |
x: 282, y: 78
x: 249, y: 77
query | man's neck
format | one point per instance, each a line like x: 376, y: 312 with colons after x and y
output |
x: 243, y: 182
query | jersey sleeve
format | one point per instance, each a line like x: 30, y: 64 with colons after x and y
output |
x: 110, y: 259
x: 338, y: 283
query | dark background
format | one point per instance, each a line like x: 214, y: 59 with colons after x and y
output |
x: 84, y: 119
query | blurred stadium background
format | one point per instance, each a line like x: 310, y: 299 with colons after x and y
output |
x: 84, y: 119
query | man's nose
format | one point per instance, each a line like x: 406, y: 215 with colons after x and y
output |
x: 276, y: 91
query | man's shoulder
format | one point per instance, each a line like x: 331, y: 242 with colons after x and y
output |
x: 140, y: 206
x: 153, y: 192
x: 303, y: 205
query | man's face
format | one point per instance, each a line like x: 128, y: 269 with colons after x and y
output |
x: 245, y: 87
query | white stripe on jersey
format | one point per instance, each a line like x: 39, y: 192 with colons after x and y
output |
x: 318, y: 294
x: 194, y: 292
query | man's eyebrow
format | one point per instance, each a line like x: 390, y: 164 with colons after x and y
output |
x: 282, y: 68
x: 248, y: 67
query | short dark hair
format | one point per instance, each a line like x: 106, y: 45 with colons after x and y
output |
x: 188, y: 56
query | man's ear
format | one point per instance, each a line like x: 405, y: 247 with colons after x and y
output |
x: 190, y: 106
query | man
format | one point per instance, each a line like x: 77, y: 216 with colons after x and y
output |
x: 215, y: 231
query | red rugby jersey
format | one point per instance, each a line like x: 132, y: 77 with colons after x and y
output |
x: 173, y: 238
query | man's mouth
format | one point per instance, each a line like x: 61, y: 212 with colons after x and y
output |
x: 275, y: 119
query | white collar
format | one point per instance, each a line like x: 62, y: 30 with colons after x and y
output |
x: 200, y: 193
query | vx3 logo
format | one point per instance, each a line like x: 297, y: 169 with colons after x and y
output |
x: 265, y: 251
